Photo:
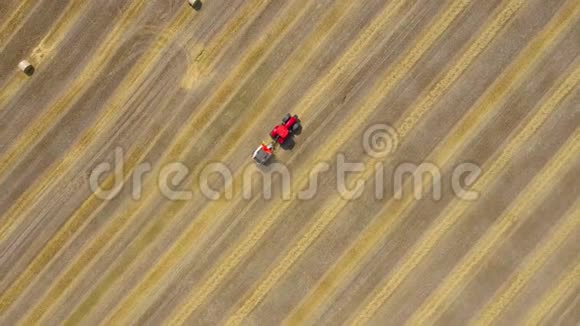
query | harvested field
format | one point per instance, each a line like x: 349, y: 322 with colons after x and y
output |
x: 457, y: 121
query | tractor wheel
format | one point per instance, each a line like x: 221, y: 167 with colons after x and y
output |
x: 288, y: 144
x: 286, y: 118
x: 297, y: 128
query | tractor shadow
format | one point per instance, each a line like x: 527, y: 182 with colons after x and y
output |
x: 268, y: 167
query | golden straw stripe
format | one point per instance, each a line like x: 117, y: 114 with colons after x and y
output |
x: 533, y: 262
x: 64, y: 234
x: 506, y: 224
x: 365, y: 39
x: 261, y: 51
x: 453, y: 212
x: 40, y: 125
x: 16, y: 20
x: 80, y: 219
x: 273, y: 92
x: 468, y: 126
x: 393, y: 76
x: 143, y: 239
x: 337, y: 206
x: 539, y: 312
x: 432, y: 307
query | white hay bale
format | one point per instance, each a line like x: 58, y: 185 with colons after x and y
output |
x: 26, y: 67
x: 195, y: 4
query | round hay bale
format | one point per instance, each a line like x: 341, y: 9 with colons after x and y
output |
x: 26, y: 67
x: 195, y: 4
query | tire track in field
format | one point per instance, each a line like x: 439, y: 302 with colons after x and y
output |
x: 16, y: 210
x: 542, y: 184
x: 32, y: 134
x: 453, y: 212
x: 129, y: 241
x: 203, y: 220
x: 42, y: 124
x: 565, y: 228
x: 143, y: 239
x: 191, y: 129
x: 6, y: 225
x: 79, y: 220
x: 228, y: 264
x: 338, y: 205
x: 54, y: 259
x: 512, y: 76
x: 274, y: 92
x: 227, y: 151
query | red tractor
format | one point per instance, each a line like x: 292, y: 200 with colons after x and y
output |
x: 290, y: 126
x: 281, y: 134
